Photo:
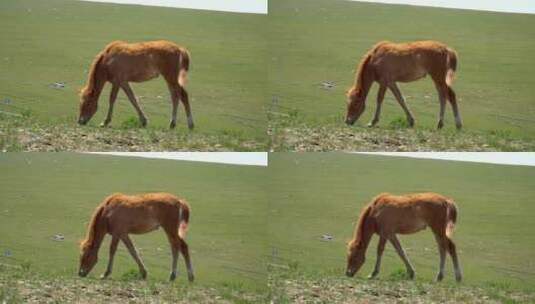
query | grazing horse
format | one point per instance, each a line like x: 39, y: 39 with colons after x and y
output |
x: 388, y: 63
x: 120, y: 215
x: 121, y: 62
x: 388, y: 215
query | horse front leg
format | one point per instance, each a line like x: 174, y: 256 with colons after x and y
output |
x: 128, y: 90
x: 113, y: 97
x: 113, y: 249
x: 380, y: 250
x: 380, y: 98
x: 397, y: 93
x: 395, y: 242
x: 133, y: 252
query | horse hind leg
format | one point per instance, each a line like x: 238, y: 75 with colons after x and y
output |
x: 453, y: 101
x: 174, y: 92
x: 174, y: 242
x: 185, y: 252
x: 185, y: 100
x: 453, y: 253
x: 442, y: 93
x: 442, y: 245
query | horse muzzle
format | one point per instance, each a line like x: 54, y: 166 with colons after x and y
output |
x: 82, y: 273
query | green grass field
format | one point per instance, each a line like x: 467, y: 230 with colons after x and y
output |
x: 323, y: 40
x: 314, y: 194
x: 45, y: 194
x: 56, y: 41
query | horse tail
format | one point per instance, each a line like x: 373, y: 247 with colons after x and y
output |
x: 183, y: 67
x: 95, y: 75
x: 451, y: 217
x: 451, y: 60
x: 183, y: 219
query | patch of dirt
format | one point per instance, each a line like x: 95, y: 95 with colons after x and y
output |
x: 354, y: 291
x: 17, y: 287
x: 302, y: 137
x: 24, y: 135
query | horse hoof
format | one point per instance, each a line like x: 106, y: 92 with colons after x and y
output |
x: 172, y: 277
x: 143, y: 122
x: 371, y: 124
x: 191, y: 126
x: 372, y: 276
x: 439, y: 277
x: 190, y: 278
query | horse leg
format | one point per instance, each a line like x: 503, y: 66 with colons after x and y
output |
x: 395, y: 242
x: 172, y: 236
x: 380, y: 250
x: 174, y: 91
x: 441, y: 243
x: 380, y: 98
x: 185, y: 100
x: 185, y: 252
x: 113, y: 248
x: 133, y: 252
x: 113, y: 97
x: 453, y: 252
x: 397, y: 93
x: 442, y: 95
x: 453, y: 100
x: 128, y: 90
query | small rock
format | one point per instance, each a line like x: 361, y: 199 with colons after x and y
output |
x: 327, y: 237
x: 58, y: 237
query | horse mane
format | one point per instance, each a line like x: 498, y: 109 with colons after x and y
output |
x: 94, y: 76
x: 362, y: 68
x: 359, y: 230
x: 94, y: 223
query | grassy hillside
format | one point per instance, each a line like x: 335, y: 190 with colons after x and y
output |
x: 315, y: 41
x: 56, y: 41
x: 316, y: 194
x: 46, y: 194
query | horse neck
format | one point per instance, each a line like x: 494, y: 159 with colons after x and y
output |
x: 365, y: 238
x: 363, y: 85
x: 364, y: 232
x: 97, y: 232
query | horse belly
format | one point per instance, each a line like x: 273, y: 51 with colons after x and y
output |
x: 413, y: 227
x: 145, y: 226
x: 408, y: 68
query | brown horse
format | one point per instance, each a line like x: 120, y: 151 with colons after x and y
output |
x: 120, y: 215
x: 121, y: 63
x: 388, y: 63
x: 388, y: 215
